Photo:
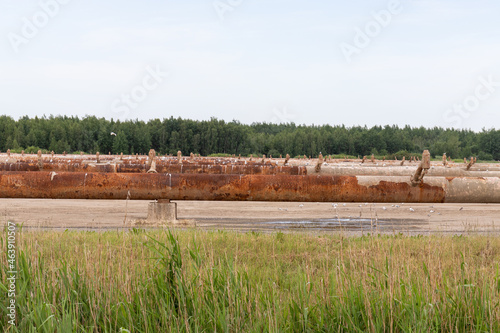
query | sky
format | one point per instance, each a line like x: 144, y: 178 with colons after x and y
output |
x: 398, y: 62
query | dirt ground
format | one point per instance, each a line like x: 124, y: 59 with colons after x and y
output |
x: 263, y: 216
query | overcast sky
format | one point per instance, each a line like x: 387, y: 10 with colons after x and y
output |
x: 415, y: 62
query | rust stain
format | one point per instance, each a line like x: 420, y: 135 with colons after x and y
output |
x: 393, y: 191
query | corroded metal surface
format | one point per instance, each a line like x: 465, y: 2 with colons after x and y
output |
x: 315, y: 188
x: 459, y: 171
x: 79, y: 166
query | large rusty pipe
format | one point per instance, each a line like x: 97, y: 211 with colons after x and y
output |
x: 402, y: 171
x: 159, y: 167
x: 385, y: 165
x: 126, y: 159
x: 159, y: 161
x: 310, y: 188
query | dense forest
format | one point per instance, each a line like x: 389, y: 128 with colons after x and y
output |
x: 167, y: 136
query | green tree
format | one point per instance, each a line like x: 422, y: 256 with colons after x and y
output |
x: 120, y: 143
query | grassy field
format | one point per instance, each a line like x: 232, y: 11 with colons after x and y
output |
x: 221, y: 281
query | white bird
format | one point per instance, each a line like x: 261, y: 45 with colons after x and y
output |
x: 384, y: 208
x: 301, y: 206
x: 412, y: 210
x: 431, y: 211
x: 343, y: 205
x: 113, y: 133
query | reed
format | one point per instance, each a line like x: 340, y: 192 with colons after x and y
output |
x: 223, y: 281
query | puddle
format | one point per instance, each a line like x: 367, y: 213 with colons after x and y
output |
x: 325, y: 224
x: 345, y: 224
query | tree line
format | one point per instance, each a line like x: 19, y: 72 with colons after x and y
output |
x: 91, y: 134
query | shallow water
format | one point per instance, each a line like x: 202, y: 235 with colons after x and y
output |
x: 333, y: 224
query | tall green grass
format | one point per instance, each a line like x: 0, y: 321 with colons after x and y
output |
x: 196, y: 281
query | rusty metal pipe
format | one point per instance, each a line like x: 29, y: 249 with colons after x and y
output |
x: 159, y: 167
x: 401, y: 171
x: 132, y: 161
x: 125, y: 158
x: 310, y: 188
